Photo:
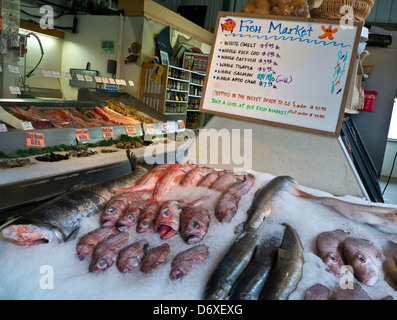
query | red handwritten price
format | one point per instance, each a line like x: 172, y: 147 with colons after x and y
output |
x: 150, y: 129
x: 107, y: 132
x: 82, y: 135
x: 130, y: 131
x: 34, y: 139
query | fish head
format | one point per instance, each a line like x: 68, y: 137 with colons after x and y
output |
x: 334, y: 262
x: 195, y: 231
x: 364, y: 269
x: 217, y: 293
x: 111, y: 215
x: 28, y: 235
x: 143, y: 226
x: 99, y: 265
x: 127, y: 221
x: 84, y: 249
x: 365, y: 258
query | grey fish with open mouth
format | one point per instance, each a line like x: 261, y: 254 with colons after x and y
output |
x: 59, y: 219
x: 288, y: 268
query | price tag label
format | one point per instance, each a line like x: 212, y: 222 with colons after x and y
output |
x: 35, y: 139
x: 164, y: 127
x: 131, y: 83
x: 13, y: 69
x: 82, y: 134
x: 107, y: 132
x: 27, y: 126
x: 56, y: 74
x: 67, y: 75
x: 88, y: 78
x: 150, y: 129
x: 105, y: 80
x: 47, y: 73
x: 111, y: 81
x: 98, y: 79
x: 130, y: 131
x: 3, y: 127
x: 181, y: 124
x: 15, y: 90
x: 80, y: 77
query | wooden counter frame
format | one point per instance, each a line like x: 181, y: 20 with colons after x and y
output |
x: 349, y: 78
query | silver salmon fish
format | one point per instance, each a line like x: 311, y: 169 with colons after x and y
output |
x: 380, y: 217
x: 263, y: 202
x: 59, y: 219
x: 230, y: 267
x: 288, y: 268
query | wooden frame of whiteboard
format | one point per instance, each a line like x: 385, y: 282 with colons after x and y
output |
x: 359, y: 26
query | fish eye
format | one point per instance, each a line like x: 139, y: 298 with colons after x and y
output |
x: 195, y: 225
x: 166, y: 213
x: 130, y: 216
x: 332, y: 257
x: 144, y: 224
x: 111, y: 210
x: 361, y: 258
x: 102, y: 263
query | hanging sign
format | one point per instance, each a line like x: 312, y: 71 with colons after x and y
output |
x: 281, y: 70
x: 131, y: 131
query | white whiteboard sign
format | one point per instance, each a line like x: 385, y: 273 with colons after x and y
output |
x: 291, y: 72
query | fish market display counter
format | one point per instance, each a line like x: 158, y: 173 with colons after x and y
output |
x: 87, y: 148
x: 53, y: 270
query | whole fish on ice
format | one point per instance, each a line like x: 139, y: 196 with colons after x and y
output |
x: 107, y: 251
x: 155, y: 257
x: 146, y: 216
x: 131, y: 215
x: 130, y: 257
x: 250, y: 284
x: 194, y: 223
x: 59, y: 219
x: 288, y: 268
x: 329, y: 246
x: 168, y: 218
x: 195, y: 175
x: 187, y: 260
x: 365, y: 258
x: 230, y: 267
x: 264, y: 200
x: 116, y: 206
x: 88, y: 242
x: 227, y: 205
x: 380, y: 217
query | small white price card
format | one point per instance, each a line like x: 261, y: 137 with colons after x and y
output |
x: 27, y: 125
x: 131, y: 83
x: 111, y: 81
x: 105, y: 80
x: 47, y: 73
x: 14, y: 90
x: 80, y: 77
x: 67, y: 75
x: 13, y: 69
x: 98, y: 79
x: 55, y: 74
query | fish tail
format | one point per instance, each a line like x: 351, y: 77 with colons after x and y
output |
x: 222, y: 27
x: 302, y: 194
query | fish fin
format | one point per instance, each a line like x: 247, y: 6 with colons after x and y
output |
x: 239, y: 228
x: 145, y: 248
x: 73, y: 235
x: 302, y: 194
x: 132, y: 159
